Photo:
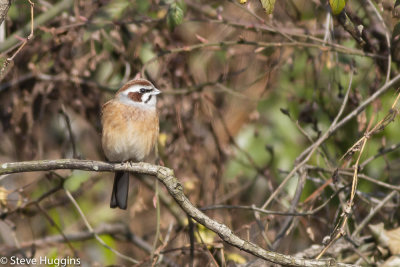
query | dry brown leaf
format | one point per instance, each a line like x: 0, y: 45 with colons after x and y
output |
x: 393, y: 261
x: 394, y: 241
x: 387, y: 238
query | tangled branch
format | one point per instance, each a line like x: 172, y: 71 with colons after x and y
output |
x: 175, y: 189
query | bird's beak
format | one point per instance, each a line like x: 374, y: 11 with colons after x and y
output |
x: 155, y: 91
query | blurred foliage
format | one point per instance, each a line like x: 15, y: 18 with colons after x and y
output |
x: 174, y: 16
x: 244, y: 94
x: 268, y: 5
x: 337, y: 6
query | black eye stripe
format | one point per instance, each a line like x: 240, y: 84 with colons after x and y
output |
x: 144, y: 90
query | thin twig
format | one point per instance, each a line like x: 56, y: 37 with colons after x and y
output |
x: 313, y: 147
x: 10, y: 59
x: 89, y: 227
x: 360, y: 175
x: 223, y: 44
x: 372, y: 213
x: 285, y: 226
x: 51, y: 13
x: 158, y: 222
x: 55, y: 225
x: 71, y: 134
x: 379, y: 154
x: 352, y: 114
x: 359, y: 147
x: 389, y: 55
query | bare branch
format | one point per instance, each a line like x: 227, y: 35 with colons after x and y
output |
x: 4, y: 6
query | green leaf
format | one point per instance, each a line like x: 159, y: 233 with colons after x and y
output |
x: 337, y: 6
x: 76, y: 179
x: 174, y: 16
x: 236, y: 258
x: 268, y: 5
x: 117, y: 8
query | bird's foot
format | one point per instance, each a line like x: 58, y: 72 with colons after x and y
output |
x: 160, y: 162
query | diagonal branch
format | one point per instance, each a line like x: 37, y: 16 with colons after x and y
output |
x: 175, y: 189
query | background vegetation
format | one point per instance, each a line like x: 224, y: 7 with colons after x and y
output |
x: 291, y: 112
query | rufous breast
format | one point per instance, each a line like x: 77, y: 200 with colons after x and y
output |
x: 129, y: 133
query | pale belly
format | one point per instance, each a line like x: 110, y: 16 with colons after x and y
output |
x: 126, y: 147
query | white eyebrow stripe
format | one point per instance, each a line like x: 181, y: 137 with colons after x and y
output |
x: 137, y: 87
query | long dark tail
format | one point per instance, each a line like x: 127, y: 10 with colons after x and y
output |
x: 119, y: 197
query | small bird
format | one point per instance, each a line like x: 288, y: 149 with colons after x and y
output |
x: 130, y: 131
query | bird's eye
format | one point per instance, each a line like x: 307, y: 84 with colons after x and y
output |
x: 142, y: 90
